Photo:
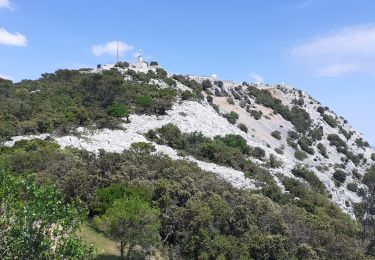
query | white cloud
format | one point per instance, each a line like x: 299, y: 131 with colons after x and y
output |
x: 14, y: 39
x: 5, y: 77
x: 6, y: 4
x: 110, y: 48
x: 256, y: 77
x: 352, y: 49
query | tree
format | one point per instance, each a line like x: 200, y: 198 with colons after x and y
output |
x: 131, y: 222
x: 35, y: 223
x: 119, y: 110
x: 368, y: 225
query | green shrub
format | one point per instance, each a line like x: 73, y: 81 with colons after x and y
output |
x: 337, y: 142
x: 230, y: 100
x: 352, y: 187
x: 209, y: 99
x: 362, y: 144
x: 340, y: 176
x: 330, y: 120
x: 121, y: 64
x: 242, y: 127
x: 258, y: 152
x: 309, y: 176
x: 256, y: 114
x: 232, y: 117
x: 300, y: 155
x: 293, y: 135
x: 276, y: 134
x: 154, y: 63
x: 373, y: 156
x: 206, y: 84
x: 305, y: 144
x: 144, y: 101
x: 316, y: 134
x: 322, y: 149
x: 119, y: 110
x: 274, y: 162
x: 187, y: 95
x: 142, y: 148
x: 171, y: 134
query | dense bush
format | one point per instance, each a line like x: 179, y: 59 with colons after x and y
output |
x: 352, y: 187
x: 276, y: 134
x: 305, y: 144
x: 373, y: 156
x: 317, y: 134
x: 232, y: 117
x: 340, y: 176
x: 256, y: 114
x: 330, y: 120
x: 230, y: 100
x: 309, y: 176
x: 200, y: 215
x: 300, y: 155
x: 243, y: 127
x: 362, y: 144
x: 322, y: 149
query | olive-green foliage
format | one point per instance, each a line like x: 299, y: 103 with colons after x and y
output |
x: 206, y: 84
x: 230, y: 100
x: 300, y: 155
x: 309, y: 176
x: 337, y: 142
x: 68, y: 98
x: 352, y: 186
x: 276, y: 134
x: 142, y: 148
x: 242, y: 127
x: 342, y: 147
x: 131, y: 221
x: 345, y: 133
x: 274, y: 162
x: 35, y: 223
x: 122, y: 64
x: 297, y: 116
x: 305, y: 143
x: 340, y: 176
x: 322, y: 149
x: 118, y: 110
x: 230, y: 150
x: 373, y: 156
x: 330, y: 120
x: 361, y: 143
x: 232, y: 117
x: 317, y: 134
x: 200, y: 214
x: 256, y: 114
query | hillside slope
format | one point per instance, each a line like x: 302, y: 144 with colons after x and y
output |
x: 263, y: 111
x: 222, y: 169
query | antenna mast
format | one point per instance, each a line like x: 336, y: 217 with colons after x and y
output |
x: 117, y: 51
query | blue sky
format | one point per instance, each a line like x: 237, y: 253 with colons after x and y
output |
x: 326, y: 47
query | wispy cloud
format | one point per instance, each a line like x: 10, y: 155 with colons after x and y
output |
x: 110, y: 48
x: 5, y: 77
x: 13, y: 39
x: 6, y: 4
x: 256, y: 77
x: 351, y: 49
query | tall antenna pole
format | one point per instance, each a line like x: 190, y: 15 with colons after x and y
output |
x: 117, y: 52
